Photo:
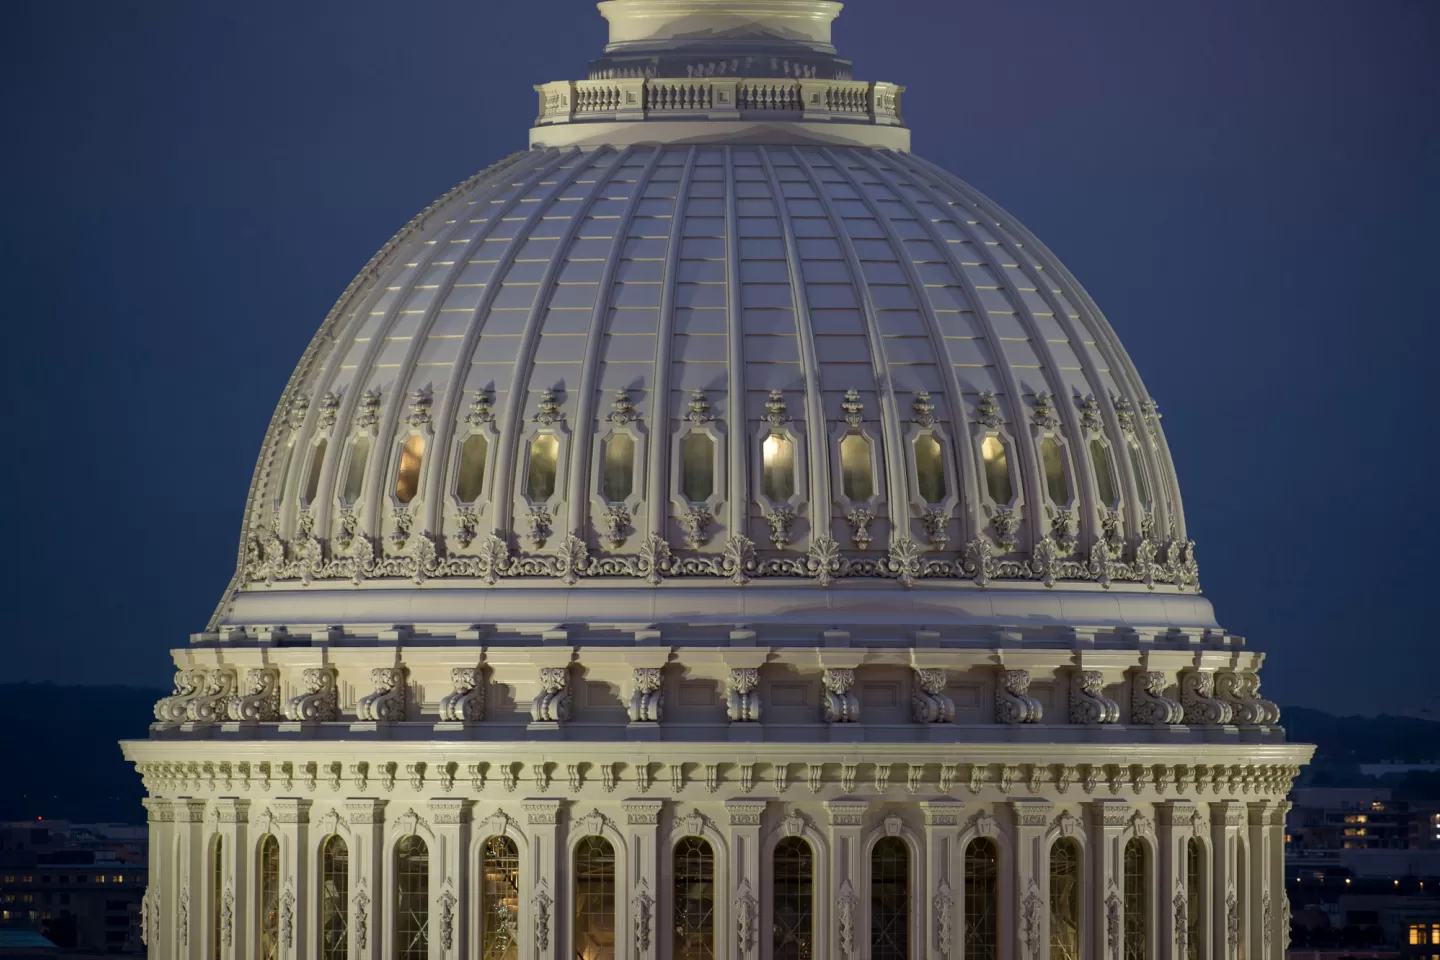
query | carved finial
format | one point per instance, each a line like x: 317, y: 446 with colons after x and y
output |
x: 329, y: 409
x: 853, y: 407
x: 988, y: 411
x: 699, y: 411
x: 420, y: 403
x: 369, y: 416
x: 1090, y: 413
x: 299, y: 405
x: 548, y: 410
x: 775, y: 412
x: 1044, y: 415
x: 1125, y: 414
x: 480, y: 412
x: 622, y: 408
x: 924, y: 409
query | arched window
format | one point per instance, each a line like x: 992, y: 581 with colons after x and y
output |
x: 982, y: 892
x: 1104, y: 473
x: 1065, y: 899
x: 1142, y: 479
x: 617, y: 478
x: 217, y: 894
x: 594, y: 899
x: 412, y: 899
x: 355, y: 471
x: 1137, y: 906
x: 890, y: 900
x: 1195, y: 898
x: 777, y: 462
x: 500, y: 900
x: 697, y: 467
x: 312, y: 476
x: 268, y: 916
x: 407, y: 478
x: 470, y: 479
x: 334, y: 899
x: 694, y: 900
x: 792, y: 889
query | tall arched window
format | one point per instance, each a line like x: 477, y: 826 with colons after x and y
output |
x: 334, y: 899
x: 1065, y: 899
x: 412, y: 899
x: 982, y: 893
x: 594, y: 899
x: 1242, y: 887
x: 1195, y: 898
x: 500, y: 900
x: 267, y: 918
x: 890, y: 900
x: 792, y: 895
x: 217, y: 894
x: 694, y: 900
x: 1137, y: 906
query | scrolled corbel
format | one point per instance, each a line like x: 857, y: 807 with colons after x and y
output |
x: 189, y: 684
x: 647, y: 698
x: 743, y: 698
x: 1241, y: 690
x: 1148, y: 703
x: 466, y: 704
x: 928, y: 701
x: 387, y: 702
x: 321, y: 700
x: 1197, y: 696
x: 1013, y: 704
x: 261, y: 699
x: 1088, y: 703
x: 841, y: 705
x: 552, y: 703
x: 209, y: 707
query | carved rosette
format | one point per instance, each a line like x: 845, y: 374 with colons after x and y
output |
x: 466, y: 703
x: 320, y: 702
x: 1088, y: 703
x: 928, y: 701
x: 841, y: 705
x: 742, y: 697
x: 387, y: 702
x: 1013, y: 704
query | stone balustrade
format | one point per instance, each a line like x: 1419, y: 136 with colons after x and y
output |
x: 717, y: 98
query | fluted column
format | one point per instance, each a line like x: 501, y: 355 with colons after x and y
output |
x: 366, y: 816
x: 939, y: 901
x: 743, y: 939
x: 1107, y: 822
x: 190, y: 908
x: 160, y: 892
x: 846, y: 885
x: 1227, y: 818
x: 449, y: 890
x: 233, y: 819
x: 1032, y: 915
x: 1176, y: 818
x: 292, y: 826
x: 642, y: 825
x: 542, y: 818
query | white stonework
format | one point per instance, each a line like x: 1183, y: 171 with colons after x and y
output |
x: 716, y: 472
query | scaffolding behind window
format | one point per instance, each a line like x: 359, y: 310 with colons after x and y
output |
x: 594, y: 899
x: 982, y: 890
x: 1137, y: 907
x: 268, y: 916
x: 890, y: 900
x: 1195, y: 898
x: 500, y: 900
x: 1065, y: 899
x: 793, y: 878
x: 334, y: 899
x: 217, y: 887
x: 412, y: 899
x: 694, y: 900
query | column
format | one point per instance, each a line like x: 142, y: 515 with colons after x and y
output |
x: 1176, y: 827
x: 847, y: 885
x: 745, y: 817
x: 642, y: 826
x: 192, y: 886
x: 292, y: 827
x: 233, y: 816
x: 1270, y: 930
x: 366, y: 816
x: 1032, y: 878
x: 540, y: 931
x: 1106, y: 926
x: 449, y: 889
x: 1226, y: 821
x: 940, y: 910
x: 160, y: 891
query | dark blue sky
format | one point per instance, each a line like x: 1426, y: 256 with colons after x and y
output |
x: 1249, y: 189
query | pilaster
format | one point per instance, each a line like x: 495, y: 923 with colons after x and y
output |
x: 160, y: 893
x: 846, y: 882
x: 449, y: 925
x: 233, y: 817
x: 1176, y: 827
x: 1032, y: 916
x: 1227, y: 818
x: 940, y: 900
x: 642, y: 826
x: 366, y: 816
x: 292, y: 826
x: 1270, y: 927
x: 193, y: 885
x: 1105, y: 928
x: 743, y: 940
x: 542, y: 817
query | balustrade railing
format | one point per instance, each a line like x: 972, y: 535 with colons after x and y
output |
x: 719, y: 98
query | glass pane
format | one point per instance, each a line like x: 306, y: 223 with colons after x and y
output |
x: 697, y: 467
x: 1054, y: 460
x: 618, y: 479
x: 1195, y: 898
x: 268, y: 917
x: 355, y: 471
x: 544, y: 460
x: 982, y: 887
x: 777, y: 455
x: 217, y: 885
x: 312, y: 477
x: 407, y: 480
x: 890, y: 900
x: 997, y: 469
x: 335, y: 900
x: 1142, y: 479
x: 594, y: 899
x: 1065, y: 900
x: 500, y: 900
x: 694, y: 900
x: 472, y: 468
x: 855, y: 480
x: 794, y: 869
x: 1104, y: 473
x: 1136, y: 906
x: 929, y: 469
x: 289, y: 462
x: 412, y: 899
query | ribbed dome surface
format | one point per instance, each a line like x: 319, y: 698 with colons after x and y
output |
x: 746, y: 362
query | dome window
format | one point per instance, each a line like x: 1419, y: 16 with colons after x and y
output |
x: 355, y: 471
x: 312, y: 476
x: 777, y: 466
x: 1053, y: 459
x: 697, y: 467
x: 617, y: 480
x: 1142, y: 479
x: 1104, y: 473
x: 996, y: 459
x: 544, y: 463
x: 407, y: 478
x: 930, y: 469
x: 857, y: 482
x: 470, y: 481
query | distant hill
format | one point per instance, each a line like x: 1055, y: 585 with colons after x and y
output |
x: 61, y: 752
x: 1343, y: 741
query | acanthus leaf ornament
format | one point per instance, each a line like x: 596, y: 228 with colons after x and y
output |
x: 739, y: 560
x: 616, y: 520
x: 287, y: 918
x: 654, y: 560
x: 361, y: 902
x: 987, y: 411
x: 745, y: 918
x: 647, y: 698
x: 227, y: 918
x: 641, y: 905
x: 776, y: 413
x: 905, y: 561
x: 1113, y: 940
x: 944, y: 904
x: 1031, y: 909
x: 846, y: 904
x: 696, y: 521
x: 540, y: 904
x: 698, y: 409
x: 924, y: 410
x: 572, y: 559
x: 622, y: 409
x: 823, y: 559
x: 447, y: 919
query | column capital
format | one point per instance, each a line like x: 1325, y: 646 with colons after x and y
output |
x: 1176, y: 813
x: 363, y: 810
x: 642, y: 812
x: 189, y: 811
x: 1260, y: 812
x: 745, y: 813
x: 1228, y: 813
x: 541, y: 810
x: 233, y: 810
x: 942, y: 812
x: 449, y: 810
x: 158, y: 810
x: 1109, y: 812
x: 291, y: 809
x: 846, y: 813
x: 1031, y: 811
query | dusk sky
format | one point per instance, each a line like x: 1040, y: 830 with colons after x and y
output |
x: 1250, y: 189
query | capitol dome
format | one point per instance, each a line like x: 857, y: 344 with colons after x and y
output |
x: 716, y: 476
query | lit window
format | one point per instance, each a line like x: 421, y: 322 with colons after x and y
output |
x: 355, y: 471
x: 469, y: 483
x: 1065, y: 899
x: 594, y: 899
x: 929, y: 469
x: 1195, y: 897
x: 407, y: 479
x: 1054, y: 460
x: 500, y: 900
x: 855, y: 479
x: 312, y: 477
x: 793, y: 879
x: 412, y: 899
x: 217, y: 884
x: 890, y: 900
x: 1142, y: 479
x: 334, y: 899
x: 268, y: 917
x: 697, y: 467
x: 1104, y: 473
x: 544, y: 461
x: 1136, y: 907
x: 778, y: 468
x: 617, y: 479
x: 997, y: 469
x: 982, y: 890
x: 694, y: 900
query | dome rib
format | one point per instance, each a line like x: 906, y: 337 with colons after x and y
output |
x: 737, y: 507
x: 588, y: 401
